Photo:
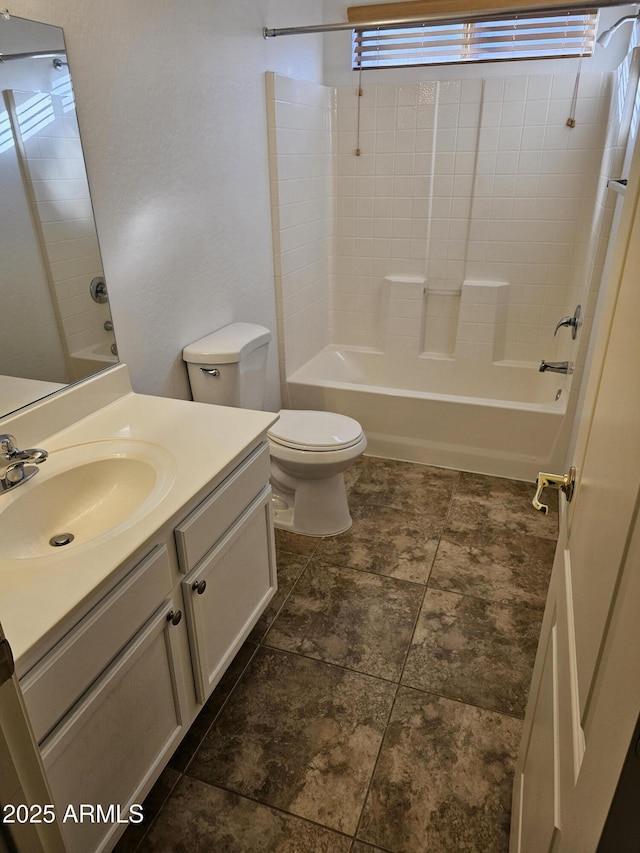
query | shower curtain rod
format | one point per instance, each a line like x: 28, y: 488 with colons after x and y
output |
x: 440, y: 18
x: 38, y: 54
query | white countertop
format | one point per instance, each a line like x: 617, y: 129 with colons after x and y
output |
x: 38, y: 594
x: 16, y: 392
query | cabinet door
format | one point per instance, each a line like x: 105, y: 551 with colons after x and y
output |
x: 226, y: 593
x: 112, y: 743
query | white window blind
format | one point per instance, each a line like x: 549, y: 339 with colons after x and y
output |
x: 517, y: 37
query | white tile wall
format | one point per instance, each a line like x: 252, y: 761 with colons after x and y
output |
x: 302, y: 201
x: 466, y: 179
x: 401, y: 314
x: 543, y: 176
x: 477, y: 180
x: 596, y: 223
x: 482, y: 321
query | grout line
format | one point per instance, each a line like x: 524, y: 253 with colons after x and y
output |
x: 501, y: 602
x: 280, y: 809
x: 332, y: 664
x: 220, y: 709
x: 285, y: 599
x: 158, y: 810
x: 399, y: 682
x: 334, y: 564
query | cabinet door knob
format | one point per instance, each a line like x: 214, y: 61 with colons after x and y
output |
x: 174, y: 616
x: 199, y: 586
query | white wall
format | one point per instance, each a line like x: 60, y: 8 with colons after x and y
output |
x: 171, y: 105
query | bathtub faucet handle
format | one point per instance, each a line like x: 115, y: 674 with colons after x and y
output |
x: 564, y: 482
x: 574, y: 322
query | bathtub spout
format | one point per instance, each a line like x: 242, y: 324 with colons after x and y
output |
x: 556, y: 366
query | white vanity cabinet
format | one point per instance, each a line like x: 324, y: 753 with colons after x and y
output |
x: 226, y: 548
x: 111, y: 700
x: 109, y: 703
x: 120, y: 735
x: 226, y: 593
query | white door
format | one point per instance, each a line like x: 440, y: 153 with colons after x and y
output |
x: 585, y: 692
x: 23, y: 787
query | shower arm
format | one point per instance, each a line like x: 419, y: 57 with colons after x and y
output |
x: 605, y: 37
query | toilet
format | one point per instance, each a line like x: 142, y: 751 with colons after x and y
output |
x: 310, y: 451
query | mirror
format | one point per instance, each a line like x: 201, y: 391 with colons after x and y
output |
x: 56, y: 323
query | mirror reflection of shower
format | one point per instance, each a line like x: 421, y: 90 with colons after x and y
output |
x: 50, y: 250
x: 47, y: 141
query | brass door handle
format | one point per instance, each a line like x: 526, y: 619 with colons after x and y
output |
x: 564, y: 482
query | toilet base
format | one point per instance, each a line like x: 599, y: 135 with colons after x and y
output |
x: 313, y: 508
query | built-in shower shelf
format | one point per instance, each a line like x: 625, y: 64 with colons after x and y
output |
x: 620, y: 185
x: 434, y: 291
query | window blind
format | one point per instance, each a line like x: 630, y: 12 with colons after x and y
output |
x: 523, y: 36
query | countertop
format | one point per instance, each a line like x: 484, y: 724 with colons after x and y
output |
x: 16, y: 392
x: 38, y: 594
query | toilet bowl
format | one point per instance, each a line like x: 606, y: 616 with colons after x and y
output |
x: 310, y: 451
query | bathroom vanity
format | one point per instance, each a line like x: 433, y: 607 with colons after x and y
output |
x: 121, y: 635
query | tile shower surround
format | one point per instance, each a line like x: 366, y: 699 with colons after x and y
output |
x: 378, y: 703
x: 463, y: 179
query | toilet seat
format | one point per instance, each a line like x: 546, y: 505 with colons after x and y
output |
x: 315, y: 431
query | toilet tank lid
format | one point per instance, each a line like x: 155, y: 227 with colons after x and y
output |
x: 226, y: 345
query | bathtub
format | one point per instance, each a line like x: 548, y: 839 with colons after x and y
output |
x: 497, y: 418
x: 96, y: 357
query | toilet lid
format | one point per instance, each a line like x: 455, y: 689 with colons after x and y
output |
x: 304, y: 430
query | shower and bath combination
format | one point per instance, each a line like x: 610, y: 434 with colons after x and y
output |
x: 473, y: 213
x: 574, y: 322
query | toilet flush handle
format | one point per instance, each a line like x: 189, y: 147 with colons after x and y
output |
x: 211, y: 371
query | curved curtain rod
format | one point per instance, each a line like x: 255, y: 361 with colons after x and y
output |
x: 441, y: 18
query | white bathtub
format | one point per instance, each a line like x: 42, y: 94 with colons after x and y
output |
x: 87, y: 361
x: 495, y: 418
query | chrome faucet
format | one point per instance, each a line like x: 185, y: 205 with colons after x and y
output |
x: 13, y: 463
x: 573, y: 323
x: 556, y: 366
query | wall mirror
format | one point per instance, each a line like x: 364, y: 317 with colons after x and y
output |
x: 56, y: 323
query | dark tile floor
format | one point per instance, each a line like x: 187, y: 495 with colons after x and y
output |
x: 377, y: 705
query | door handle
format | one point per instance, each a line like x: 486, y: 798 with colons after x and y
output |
x: 564, y: 482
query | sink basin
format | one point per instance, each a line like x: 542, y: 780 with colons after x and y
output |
x: 83, y: 494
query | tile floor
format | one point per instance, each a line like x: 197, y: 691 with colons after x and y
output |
x: 378, y: 703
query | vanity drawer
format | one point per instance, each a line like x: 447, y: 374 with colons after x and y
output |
x: 55, y: 684
x: 206, y: 524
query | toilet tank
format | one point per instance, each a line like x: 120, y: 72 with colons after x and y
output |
x: 228, y: 367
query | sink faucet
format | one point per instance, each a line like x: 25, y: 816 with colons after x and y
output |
x: 556, y: 366
x: 13, y: 468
